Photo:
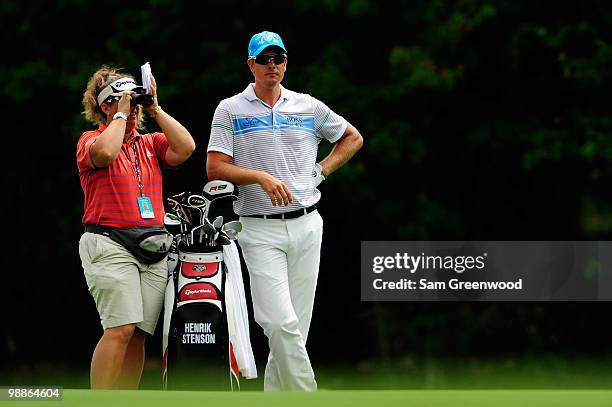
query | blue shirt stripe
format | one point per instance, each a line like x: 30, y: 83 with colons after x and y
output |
x: 245, y: 125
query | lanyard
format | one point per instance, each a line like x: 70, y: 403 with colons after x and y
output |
x: 136, y: 168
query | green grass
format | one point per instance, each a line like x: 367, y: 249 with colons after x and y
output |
x: 544, y: 372
x: 387, y: 398
x: 542, y: 381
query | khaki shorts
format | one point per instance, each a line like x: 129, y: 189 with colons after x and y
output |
x: 125, y: 290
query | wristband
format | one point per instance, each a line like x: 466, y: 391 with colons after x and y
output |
x: 120, y: 115
x: 156, y: 111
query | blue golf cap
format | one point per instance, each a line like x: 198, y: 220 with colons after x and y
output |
x: 263, y: 40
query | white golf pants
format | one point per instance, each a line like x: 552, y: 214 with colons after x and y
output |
x: 282, y: 257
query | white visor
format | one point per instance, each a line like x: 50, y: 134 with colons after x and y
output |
x: 117, y: 87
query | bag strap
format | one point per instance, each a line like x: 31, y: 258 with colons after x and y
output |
x: 99, y: 229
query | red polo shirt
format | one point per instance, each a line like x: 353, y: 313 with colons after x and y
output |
x: 111, y: 193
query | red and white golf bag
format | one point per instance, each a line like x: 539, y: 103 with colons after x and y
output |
x: 201, y: 326
x: 206, y: 343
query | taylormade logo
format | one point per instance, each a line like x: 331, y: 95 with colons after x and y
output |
x: 404, y: 261
x: 193, y: 292
x: 121, y: 84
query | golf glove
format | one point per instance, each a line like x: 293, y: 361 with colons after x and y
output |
x: 317, y: 174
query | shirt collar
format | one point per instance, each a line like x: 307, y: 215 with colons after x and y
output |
x: 103, y: 127
x: 249, y: 93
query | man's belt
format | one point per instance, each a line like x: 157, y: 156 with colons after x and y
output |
x: 286, y: 215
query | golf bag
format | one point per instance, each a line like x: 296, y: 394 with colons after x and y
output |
x: 198, y: 337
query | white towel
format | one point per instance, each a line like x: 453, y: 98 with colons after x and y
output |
x: 237, y: 314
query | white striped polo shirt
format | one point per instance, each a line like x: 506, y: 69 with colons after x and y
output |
x: 280, y: 140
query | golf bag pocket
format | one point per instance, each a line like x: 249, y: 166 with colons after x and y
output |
x: 199, y: 292
x: 200, y: 279
x: 199, y: 270
x: 197, y: 357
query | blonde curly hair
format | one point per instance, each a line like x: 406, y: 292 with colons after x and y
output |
x: 98, y: 81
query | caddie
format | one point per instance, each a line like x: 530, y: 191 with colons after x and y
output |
x: 123, y: 250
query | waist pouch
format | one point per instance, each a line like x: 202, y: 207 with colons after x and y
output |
x: 149, y: 244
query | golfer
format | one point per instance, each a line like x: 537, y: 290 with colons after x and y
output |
x: 265, y: 140
x: 120, y: 173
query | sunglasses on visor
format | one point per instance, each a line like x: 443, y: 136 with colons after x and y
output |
x: 262, y: 59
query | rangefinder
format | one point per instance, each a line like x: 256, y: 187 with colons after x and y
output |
x: 142, y: 99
